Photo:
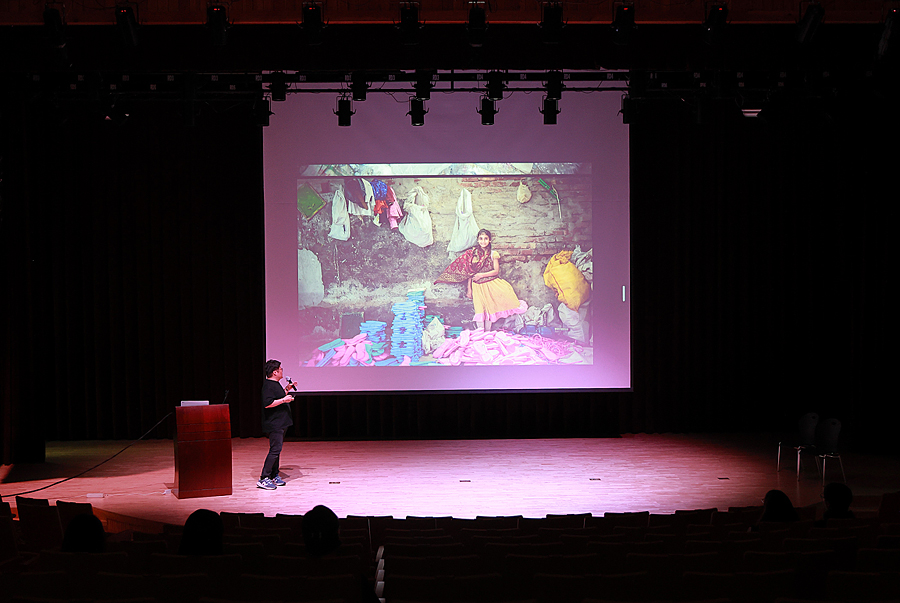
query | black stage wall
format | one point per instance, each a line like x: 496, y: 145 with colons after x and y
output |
x: 133, y: 278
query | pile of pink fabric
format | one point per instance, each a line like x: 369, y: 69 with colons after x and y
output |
x: 499, y: 347
x: 351, y: 352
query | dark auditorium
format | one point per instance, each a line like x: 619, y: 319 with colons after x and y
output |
x: 448, y: 301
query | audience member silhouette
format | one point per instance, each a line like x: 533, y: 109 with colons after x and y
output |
x: 777, y: 507
x: 84, y: 534
x: 321, y: 531
x: 321, y: 536
x: 202, y: 534
x: 838, y: 498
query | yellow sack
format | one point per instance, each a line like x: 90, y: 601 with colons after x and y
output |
x: 570, y: 285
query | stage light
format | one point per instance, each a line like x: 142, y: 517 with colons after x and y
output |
x: 217, y: 23
x: 550, y: 109
x: 54, y: 27
x: 409, y: 23
x: 487, y: 111
x: 344, y: 110
x: 810, y: 22
x: 127, y: 26
x: 477, y: 24
x: 278, y: 87
x: 623, y: 23
x: 416, y: 111
x: 423, y: 84
x: 358, y: 86
x: 551, y: 22
x: 313, y: 22
x: 115, y: 112
x: 628, y: 109
x: 886, y: 29
x: 495, y: 86
x: 716, y: 20
x: 554, y: 85
x: 55, y: 30
x: 262, y: 110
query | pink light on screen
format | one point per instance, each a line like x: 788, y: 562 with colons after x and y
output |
x: 304, y: 132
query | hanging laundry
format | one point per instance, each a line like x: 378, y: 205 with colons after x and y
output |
x: 395, y: 214
x: 366, y: 209
x: 416, y: 225
x: 381, y: 206
x: 465, y: 230
x: 340, y: 219
x: 379, y: 189
x: 355, y: 192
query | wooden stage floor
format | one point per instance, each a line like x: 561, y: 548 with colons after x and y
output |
x: 657, y: 473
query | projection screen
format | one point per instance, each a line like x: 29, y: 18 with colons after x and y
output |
x: 371, y: 239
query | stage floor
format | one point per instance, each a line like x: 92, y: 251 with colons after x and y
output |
x: 657, y: 473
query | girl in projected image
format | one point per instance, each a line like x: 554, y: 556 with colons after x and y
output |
x: 479, y: 268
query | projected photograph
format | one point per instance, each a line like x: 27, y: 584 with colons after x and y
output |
x: 452, y: 256
x: 444, y: 264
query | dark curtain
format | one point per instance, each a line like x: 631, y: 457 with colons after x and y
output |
x: 134, y: 259
x: 138, y: 274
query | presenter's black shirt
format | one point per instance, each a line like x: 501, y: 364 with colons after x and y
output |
x: 279, y: 417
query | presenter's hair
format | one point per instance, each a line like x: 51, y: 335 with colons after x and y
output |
x: 271, y: 367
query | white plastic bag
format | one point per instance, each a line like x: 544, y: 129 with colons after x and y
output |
x: 340, y: 218
x: 465, y: 231
x: 433, y: 336
x: 539, y: 316
x: 575, y: 321
x: 584, y: 261
x: 416, y: 224
x: 523, y: 194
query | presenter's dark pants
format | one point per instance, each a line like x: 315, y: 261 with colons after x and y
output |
x: 276, y: 442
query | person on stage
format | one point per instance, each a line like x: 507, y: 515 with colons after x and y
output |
x: 276, y: 418
x: 479, y: 269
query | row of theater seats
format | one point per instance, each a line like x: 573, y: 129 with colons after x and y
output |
x: 696, y: 555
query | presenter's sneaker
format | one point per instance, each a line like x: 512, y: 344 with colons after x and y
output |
x: 278, y: 481
x: 266, y: 484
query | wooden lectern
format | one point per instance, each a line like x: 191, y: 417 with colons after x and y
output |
x: 202, y: 451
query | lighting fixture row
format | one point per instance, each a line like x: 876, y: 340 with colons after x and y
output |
x: 487, y: 108
x: 494, y: 89
x: 409, y: 25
